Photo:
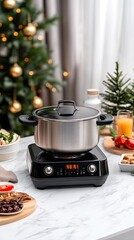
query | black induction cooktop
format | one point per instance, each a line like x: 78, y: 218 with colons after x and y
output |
x: 49, y: 170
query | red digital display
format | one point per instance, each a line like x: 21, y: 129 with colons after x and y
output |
x: 72, y: 166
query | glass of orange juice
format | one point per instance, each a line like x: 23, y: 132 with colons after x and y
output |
x: 125, y: 123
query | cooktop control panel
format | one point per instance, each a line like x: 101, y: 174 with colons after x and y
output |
x: 70, y: 169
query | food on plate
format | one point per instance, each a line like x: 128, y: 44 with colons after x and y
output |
x: 13, y: 202
x: 10, y: 206
x: 124, y: 142
x: 120, y: 141
x: 128, y: 159
x: 15, y: 196
x: 7, y: 137
x: 6, y: 188
x: 129, y: 143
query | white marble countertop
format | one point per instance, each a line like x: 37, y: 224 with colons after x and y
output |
x: 87, y: 213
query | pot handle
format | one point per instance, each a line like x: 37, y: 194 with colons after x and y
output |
x: 64, y: 108
x: 105, y: 119
x: 28, y: 120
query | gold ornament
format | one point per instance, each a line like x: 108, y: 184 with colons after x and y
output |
x: 15, y: 70
x: 29, y: 30
x: 37, y: 102
x: 15, y: 106
x: 9, y: 4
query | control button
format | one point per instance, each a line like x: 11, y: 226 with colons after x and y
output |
x: 48, y: 170
x: 91, y: 168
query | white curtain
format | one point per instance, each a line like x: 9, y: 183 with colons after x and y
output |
x: 90, y: 37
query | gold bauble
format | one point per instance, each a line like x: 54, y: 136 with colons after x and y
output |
x: 37, y: 102
x: 29, y: 30
x: 15, y: 106
x: 9, y: 4
x: 15, y: 70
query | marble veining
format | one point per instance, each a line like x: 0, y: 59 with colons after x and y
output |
x: 88, y: 213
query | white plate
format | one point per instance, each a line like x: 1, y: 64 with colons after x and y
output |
x: 12, y: 213
x: 7, y: 184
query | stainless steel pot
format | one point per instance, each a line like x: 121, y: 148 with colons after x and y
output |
x: 66, y: 128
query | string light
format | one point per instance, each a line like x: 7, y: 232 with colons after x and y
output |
x: 40, y: 38
x: 31, y: 73
x: 1, y: 66
x: 20, y: 26
x: 48, y: 85
x: 50, y: 61
x: 18, y: 10
x: 15, y: 34
x: 26, y: 59
x: 54, y: 89
x: 10, y: 18
x: 65, y: 74
x: 4, y: 39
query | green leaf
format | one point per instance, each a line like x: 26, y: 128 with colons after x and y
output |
x: 113, y: 133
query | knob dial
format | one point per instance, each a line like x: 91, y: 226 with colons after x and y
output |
x: 92, y: 168
x: 48, y: 170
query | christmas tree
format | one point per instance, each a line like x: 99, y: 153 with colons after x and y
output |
x: 117, y: 93
x: 25, y: 63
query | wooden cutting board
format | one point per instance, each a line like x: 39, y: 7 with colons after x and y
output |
x: 110, y: 147
x: 29, y: 208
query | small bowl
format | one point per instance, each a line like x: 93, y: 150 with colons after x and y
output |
x: 12, y: 213
x: 6, y: 187
x: 9, y: 151
x: 128, y: 164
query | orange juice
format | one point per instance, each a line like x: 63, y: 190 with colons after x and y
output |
x: 125, y: 126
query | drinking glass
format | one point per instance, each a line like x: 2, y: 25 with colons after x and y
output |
x: 125, y: 123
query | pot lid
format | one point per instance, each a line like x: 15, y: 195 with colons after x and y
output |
x: 67, y: 111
